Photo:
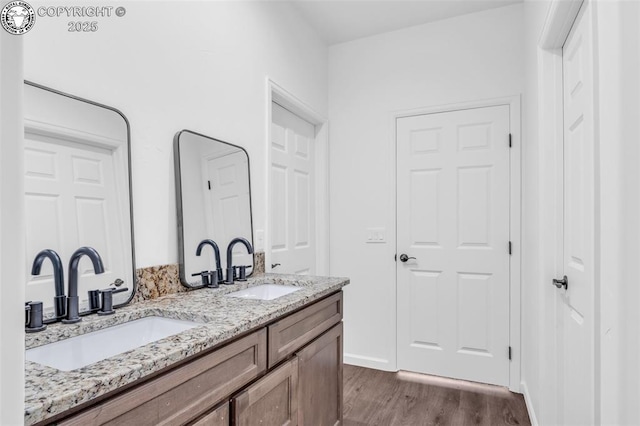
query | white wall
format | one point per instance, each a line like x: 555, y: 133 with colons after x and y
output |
x: 11, y: 235
x: 618, y: 299
x: 541, y: 259
x: 174, y: 65
x: 468, y: 58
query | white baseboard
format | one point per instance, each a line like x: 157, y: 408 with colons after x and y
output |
x: 368, y: 362
x: 529, y: 404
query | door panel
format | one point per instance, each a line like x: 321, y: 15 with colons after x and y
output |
x: 576, y: 332
x: 228, y: 195
x: 453, y: 217
x: 292, y: 193
x: 70, y: 200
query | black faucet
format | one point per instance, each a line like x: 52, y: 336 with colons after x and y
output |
x: 233, y: 242
x: 216, y: 251
x: 73, y: 299
x: 59, y: 300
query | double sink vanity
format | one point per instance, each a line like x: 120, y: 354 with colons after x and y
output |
x: 226, y: 359
x: 226, y: 346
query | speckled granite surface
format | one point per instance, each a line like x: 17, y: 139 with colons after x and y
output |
x: 157, y: 281
x: 50, y: 391
x: 258, y: 263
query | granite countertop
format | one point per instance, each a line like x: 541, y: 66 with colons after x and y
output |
x: 49, y: 391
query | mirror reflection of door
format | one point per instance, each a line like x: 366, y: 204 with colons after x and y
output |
x: 76, y: 184
x: 214, y: 202
x: 292, y: 204
x: 227, y: 192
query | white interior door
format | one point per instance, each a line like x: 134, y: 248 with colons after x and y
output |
x: 70, y: 200
x: 292, y: 204
x: 453, y: 174
x: 576, y: 328
x: 227, y: 191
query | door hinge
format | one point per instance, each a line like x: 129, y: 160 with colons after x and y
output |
x: 209, y: 184
x: 509, y: 353
x: 509, y: 140
x: 509, y: 247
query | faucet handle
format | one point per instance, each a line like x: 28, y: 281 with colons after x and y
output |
x: 242, y: 272
x: 106, y: 307
x: 209, y: 278
x: 33, y: 317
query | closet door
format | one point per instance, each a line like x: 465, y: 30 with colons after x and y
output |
x: 577, y: 323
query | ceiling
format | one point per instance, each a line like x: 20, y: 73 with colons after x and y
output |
x: 338, y: 21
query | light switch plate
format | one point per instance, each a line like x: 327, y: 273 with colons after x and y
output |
x: 376, y: 235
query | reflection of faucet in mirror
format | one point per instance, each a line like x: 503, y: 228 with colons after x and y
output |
x: 247, y: 244
x: 73, y: 299
x: 216, y: 251
x: 106, y: 173
x: 211, y: 173
x: 58, y: 277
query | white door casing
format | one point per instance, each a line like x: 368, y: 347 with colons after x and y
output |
x: 71, y: 201
x: 576, y: 336
x: 453, y: 216
x: 292, y: 192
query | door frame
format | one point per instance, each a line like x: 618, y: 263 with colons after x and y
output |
x: 286, y: 99
x: 515, y: 209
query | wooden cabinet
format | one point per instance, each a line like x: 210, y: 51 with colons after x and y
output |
x: 183, y: 394
x: 288, y: 372
x: 290, y: 333
x: 320, y: 380
x: 306, y: 390
x: 272, y: 400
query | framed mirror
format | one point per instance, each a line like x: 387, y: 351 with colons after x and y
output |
x: 213, y: 189
x: 77, y: 182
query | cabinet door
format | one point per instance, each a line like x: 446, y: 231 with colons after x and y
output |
x: 217, y: 417
x: 320, y: 380
x: 272, y: 400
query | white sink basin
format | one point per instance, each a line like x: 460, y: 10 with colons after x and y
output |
x: 79, y: 351
x: 264, y: 292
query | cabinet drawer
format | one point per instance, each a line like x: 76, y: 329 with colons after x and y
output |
x: 272, y: 400
x: 294, y: 331
x: 183, y: 394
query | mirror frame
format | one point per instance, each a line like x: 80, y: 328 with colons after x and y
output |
x: 179, y: 209
x: 134, y: 285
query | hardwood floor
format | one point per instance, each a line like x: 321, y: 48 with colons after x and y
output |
x: 373, y: 397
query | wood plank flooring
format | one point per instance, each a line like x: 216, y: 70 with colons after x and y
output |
x: 373, y: 397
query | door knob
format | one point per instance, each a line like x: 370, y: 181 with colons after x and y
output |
x: 564, y: 282
x: 404, y: 258
x: 274, y: 265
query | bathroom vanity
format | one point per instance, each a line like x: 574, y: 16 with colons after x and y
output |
x: 246, y: 362
x: 227, y: 350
